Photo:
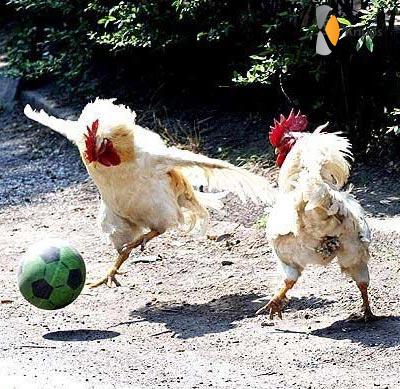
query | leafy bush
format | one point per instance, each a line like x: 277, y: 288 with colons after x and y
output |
x: 179, y: 23
x: 372, y: 21
x: 394, y: 121
x: 50, y: 39
x: 252, y: 42
x: 354, y: 87
x: 289, y: 39
x: 279, y: 35
x: 288, y: 44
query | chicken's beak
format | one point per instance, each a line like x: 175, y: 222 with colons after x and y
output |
x: 99, y: 142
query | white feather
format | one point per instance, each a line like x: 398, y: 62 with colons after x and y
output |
x: 67, y: 128
x: 110, y: 115
x: 311, y: 206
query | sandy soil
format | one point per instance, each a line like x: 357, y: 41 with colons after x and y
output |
x: 186, y: 321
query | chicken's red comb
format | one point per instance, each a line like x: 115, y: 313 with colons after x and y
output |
x: 293, y: 123
x: 90, y: 141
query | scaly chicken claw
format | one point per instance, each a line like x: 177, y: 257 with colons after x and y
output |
x: 109, y: 280
x: 274, y: 306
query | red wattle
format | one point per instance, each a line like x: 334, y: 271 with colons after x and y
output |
x: 107, y: 155
x: 280, y: 159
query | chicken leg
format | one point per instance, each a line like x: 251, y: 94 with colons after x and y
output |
x: 110, y: 278
x: 275, y: 305
x: 368, y: 316
x: 360, y: 274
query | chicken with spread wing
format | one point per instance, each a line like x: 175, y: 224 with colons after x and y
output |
x: 146, y: 187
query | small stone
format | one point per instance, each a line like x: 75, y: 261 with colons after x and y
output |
x: 267, y: 324
x: 226, y: 263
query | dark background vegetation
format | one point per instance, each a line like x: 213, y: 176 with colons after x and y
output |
x: 248, y: 56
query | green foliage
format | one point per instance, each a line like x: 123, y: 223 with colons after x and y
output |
x: 394, y: 120
x: 57, y: 36
x: 273, y: 44
x: 366, y: 51
x: 49, y: 39
x: 289, y: 37
x: 289, y: 40
x: 372, y: 22
x: 344, y: 22
x: 131, y: 25
x: 176, y: 23
x: 39, y: 5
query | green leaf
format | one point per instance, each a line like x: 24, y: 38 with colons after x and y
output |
x: 360, y: 42
x: 394, y: 129
x: 107, y: 19
x: 344, y: 21
x: 369, y: 43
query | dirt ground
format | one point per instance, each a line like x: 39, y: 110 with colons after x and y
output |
x: 187, y: 320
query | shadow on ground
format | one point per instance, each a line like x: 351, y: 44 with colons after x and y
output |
x: 307, y: 303
x: 218, y: 315
x: 378, y: 189
x: 34, y: 161
x: 384, y: 332
x: 80, y: 335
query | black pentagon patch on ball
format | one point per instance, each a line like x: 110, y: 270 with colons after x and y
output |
x: 41, y: 289
x: 52, y: 254
x: 74, y: 279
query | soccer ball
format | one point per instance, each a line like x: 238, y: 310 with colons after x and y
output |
x: 51, y: 275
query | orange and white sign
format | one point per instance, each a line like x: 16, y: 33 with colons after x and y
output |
x: 329, y: 30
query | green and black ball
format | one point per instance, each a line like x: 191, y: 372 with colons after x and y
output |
x: 51, y: 275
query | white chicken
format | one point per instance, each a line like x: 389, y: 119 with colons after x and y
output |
x: 312, y: 221
x: 146, y: 187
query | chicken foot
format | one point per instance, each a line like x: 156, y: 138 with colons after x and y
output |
x: 275, y: 305
x: 122, y: 257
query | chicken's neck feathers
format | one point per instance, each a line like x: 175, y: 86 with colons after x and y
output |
x: 318, y: 158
